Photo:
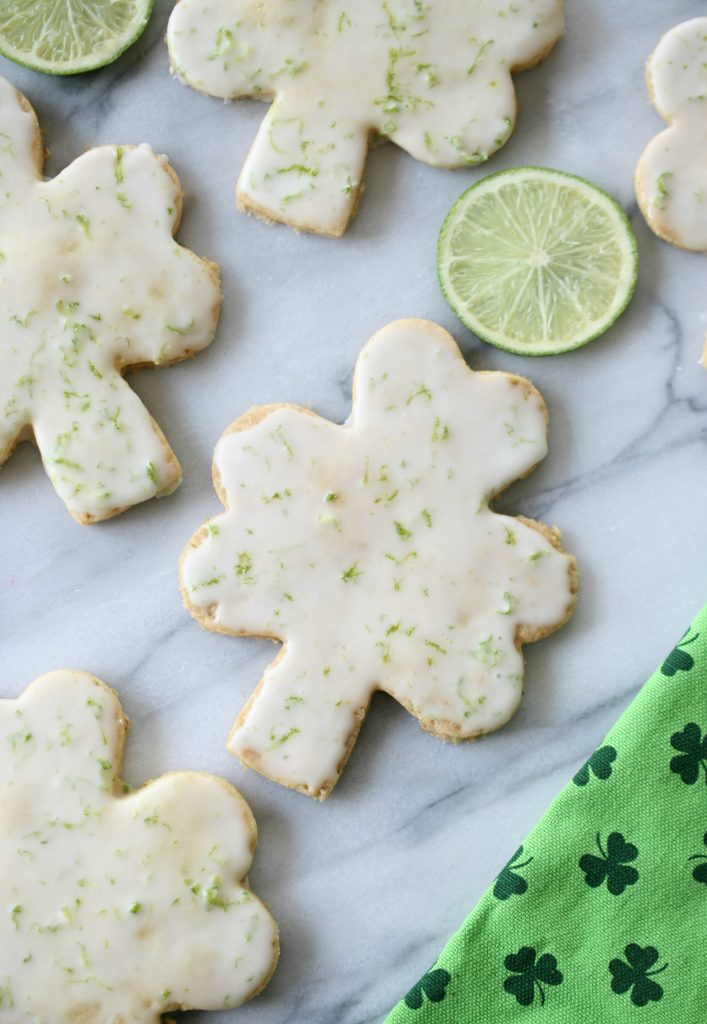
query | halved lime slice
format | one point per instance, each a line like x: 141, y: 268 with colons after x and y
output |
x: 64, y: 37
x: 537, y: 261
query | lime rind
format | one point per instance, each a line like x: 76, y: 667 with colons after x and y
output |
x: 69, y: 37
x: 594, y: 288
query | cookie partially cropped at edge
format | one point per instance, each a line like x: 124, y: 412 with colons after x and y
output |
x: 671, y: 177
x: 434, y: 78
x: 370, y: 550
x: 118, y: 904
x: 92, y: 283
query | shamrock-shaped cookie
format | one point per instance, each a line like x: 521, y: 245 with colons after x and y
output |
x: 117, y: 905
x: 370, y: 550
x: 91, y: 283
x: 433, y: 77
x: 671, y: 179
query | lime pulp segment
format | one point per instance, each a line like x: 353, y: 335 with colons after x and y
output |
x: 537, y: 261
x: 64, y: 37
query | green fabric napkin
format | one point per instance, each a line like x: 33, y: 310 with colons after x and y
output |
x: 601, y: 915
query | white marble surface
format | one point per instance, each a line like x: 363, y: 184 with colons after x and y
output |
x: 368, y: 886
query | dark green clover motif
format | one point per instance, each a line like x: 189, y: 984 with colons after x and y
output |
x: 530, y: 971
x: 433, y: 984
x: 693, y: 753
x: 679, y: 660
x: 611, y: 867
x: 635, y: 974
x: 700, y: 872
x: 509, y: 882
x: 599, y: 764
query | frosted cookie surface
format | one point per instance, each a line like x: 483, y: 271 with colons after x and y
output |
x: 433, y: 77
x: 370, y: 550
x: 92, y: 282
x: 117, y: 906
x: 671, y: 178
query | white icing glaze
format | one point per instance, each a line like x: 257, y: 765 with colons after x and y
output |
x: 671, y: 178
x: 370, y: 550
x: 433, y: 77
x: 116, y: 908
x: 92, y: 282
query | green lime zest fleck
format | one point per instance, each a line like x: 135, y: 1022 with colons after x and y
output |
x: 504, y: 135
x: 299, y: 169
x: 212, y: 894
x: 244, y: 567
x: 331, y: 496
x: 23, y: 321
x: 440, y: 431
x: 135, y: 908
x: 213, y: 529
x: 68, y: 463
x: 435, y: 646
x: 279, y: 435
x: 224, y: 42
x: 84, y: 223
x: 510, y: 603
x: 151, y: 473
x: 352, y: 573
x: 486, y: 653
x: 479, y: 156
x: 292, y: 701
x: 427, y: 516
x: 662, y: 189
x: 401, y: 530
x: 422, y: 392
x: 509, y: 536
x: 15, y: 915
x: 118, y: 166
x: 94, y: 370
x: 180, y: 330
x: 289, y: 67
x: 480, y: 54
x: 277, y: 741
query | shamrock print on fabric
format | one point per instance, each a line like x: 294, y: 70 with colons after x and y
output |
x: 433, y: 984
x: 509, y: 882
x: 680, y: 660
x: 700, y: 872
x: 612, y: 866
x: 693, y: 753
x: 634, y: 974
x: 117, y: 904
x: 92, y: 282
x: 599, y: 765
x: 530, y: 973
x: 434, y: 78
x: 371, y: 550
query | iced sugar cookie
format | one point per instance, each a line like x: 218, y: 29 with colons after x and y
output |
x: 433, y: 77
x: 371, y: 552
x: 671, y: 178
x: 117, y: 905
x: 92, y: 283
